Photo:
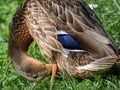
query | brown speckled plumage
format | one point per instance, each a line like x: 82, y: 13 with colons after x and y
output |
x: 40, y: 20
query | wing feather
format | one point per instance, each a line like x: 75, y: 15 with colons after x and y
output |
x: 77, y: 19
x: 42, y: 29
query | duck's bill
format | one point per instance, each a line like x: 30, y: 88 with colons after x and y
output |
x: 54, y: 71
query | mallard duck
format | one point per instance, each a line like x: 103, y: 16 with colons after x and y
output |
x: 69, y: 35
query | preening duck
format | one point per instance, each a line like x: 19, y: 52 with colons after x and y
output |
x: 69, y: 35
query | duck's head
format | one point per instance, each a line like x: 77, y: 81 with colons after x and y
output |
x: 38, y: 72
x: 33, y: 70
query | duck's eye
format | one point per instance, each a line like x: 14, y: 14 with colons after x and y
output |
x: 35, y: 76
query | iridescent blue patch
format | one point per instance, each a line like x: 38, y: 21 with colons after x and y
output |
x: 68, y: 42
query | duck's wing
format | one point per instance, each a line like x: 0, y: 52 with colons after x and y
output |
x: 41, y: 28
x: 77, y: 19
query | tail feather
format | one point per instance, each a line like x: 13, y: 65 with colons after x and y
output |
x: 100, y: 64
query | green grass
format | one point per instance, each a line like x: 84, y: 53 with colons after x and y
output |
x: 108, y: 11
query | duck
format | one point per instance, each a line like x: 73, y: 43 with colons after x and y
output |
x: 69, y: 35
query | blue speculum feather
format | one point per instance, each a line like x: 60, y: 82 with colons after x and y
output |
x: 68, y: 42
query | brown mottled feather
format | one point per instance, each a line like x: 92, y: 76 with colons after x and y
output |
x: 40, y: 20
x: 42, y: 29
x: 19, y: 41
x: 77, y: 19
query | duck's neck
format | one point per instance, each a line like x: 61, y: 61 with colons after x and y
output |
x: 17, y: 48
x: 16, y: 54
x: 19, y: 39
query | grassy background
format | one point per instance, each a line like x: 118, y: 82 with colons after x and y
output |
x: 108, y: 12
